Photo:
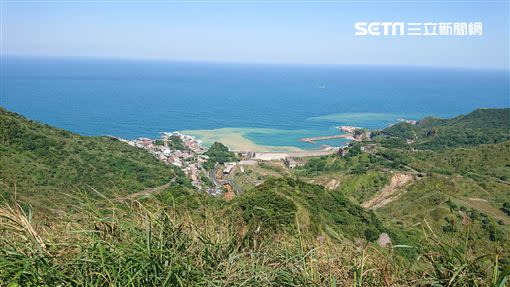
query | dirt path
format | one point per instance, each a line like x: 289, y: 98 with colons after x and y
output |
x: 484, y: 206
x: 332, y: 184
x: 477, y: 199
x: 145, y: 192
x: 389, y: 192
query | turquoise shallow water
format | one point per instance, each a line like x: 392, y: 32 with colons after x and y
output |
x: 142, y: 98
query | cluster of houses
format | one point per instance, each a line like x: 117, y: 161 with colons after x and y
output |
x: 189, y: 159
x: 189, y: 156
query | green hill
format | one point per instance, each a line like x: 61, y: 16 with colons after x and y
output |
x: 482, y: 126
x: 42, y: 163
x: 448, y: 224
x: 218, y: 153
x: 283, y: 233
x: 278, y: 202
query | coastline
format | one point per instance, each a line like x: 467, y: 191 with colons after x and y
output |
x: 268, y: 156
x: 236, y: 140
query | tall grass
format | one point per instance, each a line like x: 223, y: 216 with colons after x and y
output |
x: 454, y: 265
x: 150, y: 244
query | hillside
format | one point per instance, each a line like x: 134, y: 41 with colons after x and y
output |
x: 441, y: 212
x: 283, y: 233
x: 218, y: 153
x: 482, y: 126
x: 278, y: 203
x: 42, y: 163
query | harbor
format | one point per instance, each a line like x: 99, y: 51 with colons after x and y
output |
x: 349, y: 133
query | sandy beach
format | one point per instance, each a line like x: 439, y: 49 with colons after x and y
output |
x: 266, y: 156
x: 235, y: 139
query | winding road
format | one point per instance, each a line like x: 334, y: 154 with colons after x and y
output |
x: 219, y: 183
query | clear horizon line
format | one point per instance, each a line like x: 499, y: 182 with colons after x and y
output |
x: 262, y: 63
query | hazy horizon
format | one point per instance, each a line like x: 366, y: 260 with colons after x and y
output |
x: 218, y: 62
x: 301, y: 33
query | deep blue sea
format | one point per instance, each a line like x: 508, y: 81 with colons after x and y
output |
x: 271, y: 105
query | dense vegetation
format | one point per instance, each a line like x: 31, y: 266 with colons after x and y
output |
x: 353, y: 164
x: 483, y: 126
x: 303, y: 237
x: 219, y: 153
x: 449, y: 225
x: 41, y: 163
x: 174, y: 142
x: 459, y: 190
x: 277, y: 203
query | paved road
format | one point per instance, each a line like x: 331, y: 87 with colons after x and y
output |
x: 219, y: 182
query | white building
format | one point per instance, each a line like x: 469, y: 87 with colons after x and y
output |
x: 229, y: 166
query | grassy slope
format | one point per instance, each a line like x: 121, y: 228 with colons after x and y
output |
x: 460, y: 180
x: 484, y: 169
x: 471, y: 152
x: 467, y: 181
x: 483, y: 161
x: 41, y: 162
x: 278, y: 202
x: 284, y: 232
x: 274, y: 235
x: 483, y: 126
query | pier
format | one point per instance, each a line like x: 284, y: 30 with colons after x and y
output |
x: 312, y: 140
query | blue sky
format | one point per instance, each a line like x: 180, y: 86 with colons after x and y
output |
x: 304, y: 32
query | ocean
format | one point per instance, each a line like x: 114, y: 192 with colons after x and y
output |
x: 268, y: 106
